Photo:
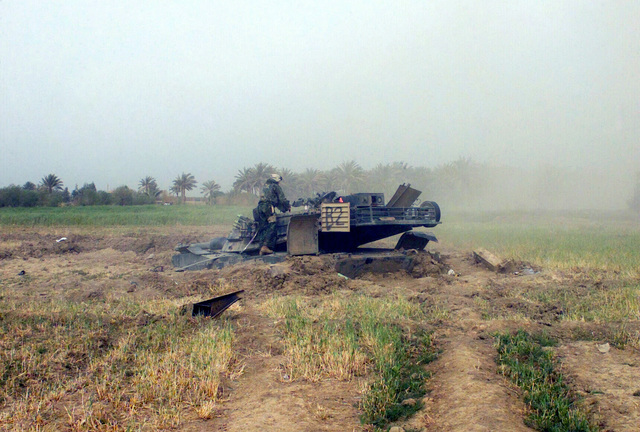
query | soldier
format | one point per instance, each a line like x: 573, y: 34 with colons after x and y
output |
x: 271, y: 198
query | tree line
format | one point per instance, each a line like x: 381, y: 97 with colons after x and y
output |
x: 51, y: 192
x: 462, y: 183
x: 347, y: 177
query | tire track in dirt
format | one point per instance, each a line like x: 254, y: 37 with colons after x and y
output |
x: 263, y: 400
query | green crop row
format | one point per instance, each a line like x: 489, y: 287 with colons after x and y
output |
x: 529, y: 363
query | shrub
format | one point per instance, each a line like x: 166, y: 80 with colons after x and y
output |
x: 122, y: 196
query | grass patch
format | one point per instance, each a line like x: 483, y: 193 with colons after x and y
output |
x: 342, y: 338
x: 590, y: 301
x: 103, y: 216
x: 619, y: 303
x: 587, y: 240
x: 524, y: 359
x: 92, y: 367
x: 398, y: 364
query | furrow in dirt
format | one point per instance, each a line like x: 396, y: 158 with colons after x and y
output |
x: 467, y: 394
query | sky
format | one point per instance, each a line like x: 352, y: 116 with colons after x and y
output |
x: 113, y: 91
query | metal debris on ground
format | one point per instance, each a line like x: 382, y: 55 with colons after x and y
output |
x: 215, y: 306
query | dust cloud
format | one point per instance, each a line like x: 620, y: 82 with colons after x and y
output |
x: 542, y: 96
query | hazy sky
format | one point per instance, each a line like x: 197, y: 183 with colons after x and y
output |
x: 113, y: 91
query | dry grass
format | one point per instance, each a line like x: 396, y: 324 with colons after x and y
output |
x: 88, y: 367
x: 317, y: 350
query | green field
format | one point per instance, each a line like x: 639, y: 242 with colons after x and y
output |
x: 586, y: 240
x: 107, y: 216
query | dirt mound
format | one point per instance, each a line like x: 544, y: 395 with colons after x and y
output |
x: 34, y: 246
x: 30, y: 244
x: 310, y: 265
x: 520, y: 307
x: 428, y: 264
x: 301, y: 275
x: 142, y: 243
x: 297, y: 275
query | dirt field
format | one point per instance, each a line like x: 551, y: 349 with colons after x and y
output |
x: 465, y: 392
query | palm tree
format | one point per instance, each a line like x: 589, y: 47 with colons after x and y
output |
x: 329, y: 180
x: 244, y: 180
x: 252, y: 179
x: 148, y: 186
x: 399, y: 172
x: 459, y: 176
x: 311, y: 181
x: 51, y: 183
x: 184, y: 183
x: 291, y: 185
x: 378, y: 177
x: 211, y: 190
x: 424, y: 179
x: 261, y: 173
x: 386, y: 178
x: 287, y: 174
x: 349, y: 175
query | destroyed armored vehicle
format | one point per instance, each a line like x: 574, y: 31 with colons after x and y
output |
x: 328, y: 223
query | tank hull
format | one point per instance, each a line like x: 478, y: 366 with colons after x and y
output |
x: 331, y: 224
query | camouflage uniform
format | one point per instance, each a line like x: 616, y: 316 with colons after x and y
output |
x: 272, y: 197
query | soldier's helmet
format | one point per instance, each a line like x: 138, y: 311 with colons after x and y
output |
x: 276, y: 177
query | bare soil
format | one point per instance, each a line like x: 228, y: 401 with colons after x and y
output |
x: 466, y: 392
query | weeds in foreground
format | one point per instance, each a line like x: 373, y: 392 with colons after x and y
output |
x: 530, y: 365
x: 343, y: 338
x: 399, y: 367
x: 619, y: 303
x: 66, y: 366
x: 611, y: 302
